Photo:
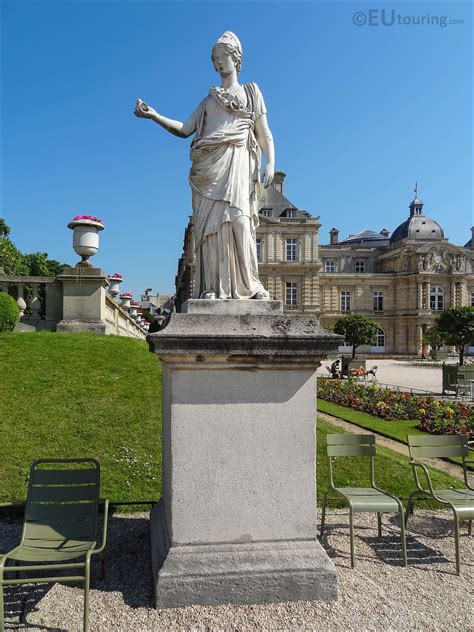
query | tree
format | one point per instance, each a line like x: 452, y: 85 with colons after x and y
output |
x: 11, y: 259
x: 357, y: 331
x: 457, y: 328
x: 4, y: 229
x: 434, y: 337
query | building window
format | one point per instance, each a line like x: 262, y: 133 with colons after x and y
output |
x: 360, y: 266
x: 330, y: 266
x: 380, y: 338
x: 259, y: 249
x: 345, y: 301
x: 290, y: 213
x: 437, y: 299
x: 472, y: 298
x: 266, y: 212
x: 291, y: 294
x: 291, y: 250
x: 378, y: 301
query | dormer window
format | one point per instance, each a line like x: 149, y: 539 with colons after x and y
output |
x: 266, y: 212
x: 290, y: 212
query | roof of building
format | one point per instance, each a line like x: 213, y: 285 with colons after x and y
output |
x: 418, y: 227
x: 365, y: 236
x: 270, y: 199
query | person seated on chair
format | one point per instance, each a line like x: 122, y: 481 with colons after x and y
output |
x: 335, y: 369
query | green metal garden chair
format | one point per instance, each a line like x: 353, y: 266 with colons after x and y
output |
x: 60, y: 524
x: 461, y: 501
x: 361, y: 499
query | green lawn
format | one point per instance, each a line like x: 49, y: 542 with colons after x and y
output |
x: 392, y: 429
x: 77, y: 395
x: 397, y: 429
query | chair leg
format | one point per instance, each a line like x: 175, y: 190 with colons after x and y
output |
x: 323, y: 516
x: 351, y: 528
x: 410, y: 504
x: 456, y: 544
x: 86, y: 594
x: 379, y: 524
x: 2, y: 620
x: 102, y: 566
x: 403, y: 537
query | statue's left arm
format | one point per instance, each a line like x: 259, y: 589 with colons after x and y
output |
x: 265, y: 140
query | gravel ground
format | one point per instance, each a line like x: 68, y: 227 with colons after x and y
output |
x: 378, y: 594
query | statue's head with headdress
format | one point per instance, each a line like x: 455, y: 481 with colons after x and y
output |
x: 232, y: 45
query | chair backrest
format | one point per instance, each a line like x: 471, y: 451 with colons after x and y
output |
x: 63, y: 500
x: 441, y: 446
x: 351, y: 444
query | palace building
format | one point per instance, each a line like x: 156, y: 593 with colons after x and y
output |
x: 403, y: 280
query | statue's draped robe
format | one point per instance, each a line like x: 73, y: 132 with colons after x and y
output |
x: 223, y: 178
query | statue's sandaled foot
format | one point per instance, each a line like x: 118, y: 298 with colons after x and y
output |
x: 262, y: 295
x: 209, y: 295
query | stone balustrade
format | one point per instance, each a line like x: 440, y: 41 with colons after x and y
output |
x: 119, y: 322
x: 76, y: 300
x: 39, y: 299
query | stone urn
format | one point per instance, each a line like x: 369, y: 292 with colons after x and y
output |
x: 85, y: 239
x: 21, y: 306
x: 115, y: 280
x: 133, y: 311
x: 125, y: 300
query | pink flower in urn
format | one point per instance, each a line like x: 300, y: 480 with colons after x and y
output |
x: 115, y: 276
x: 126, y: 295
x: 90, y: 218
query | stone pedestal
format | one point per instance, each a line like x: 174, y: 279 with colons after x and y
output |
x: 237, y: 520
x: 84, y: 292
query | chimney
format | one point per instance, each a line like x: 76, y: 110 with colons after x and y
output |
x: 334, y: 234
x: 385, y: 233
x: 278, y: 179
x: 472, y: 238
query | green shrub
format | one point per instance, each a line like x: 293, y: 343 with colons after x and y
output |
x: 9, y: 312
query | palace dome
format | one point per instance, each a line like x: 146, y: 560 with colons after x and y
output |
x: 417, y: 226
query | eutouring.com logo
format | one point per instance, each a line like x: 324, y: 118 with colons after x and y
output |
x: 390, y: 17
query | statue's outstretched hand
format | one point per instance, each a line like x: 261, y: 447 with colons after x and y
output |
x: 268, y: 174
x: 143, y: 110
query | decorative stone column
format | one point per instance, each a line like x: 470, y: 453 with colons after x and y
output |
x: 419, y: 339
x: 20, y: 301
x: 84, y: 302
x: 420, y: 295
x: 237, y: 519
x: 35, y: 303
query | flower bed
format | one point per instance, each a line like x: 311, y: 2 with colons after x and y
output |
x: 433, y: 415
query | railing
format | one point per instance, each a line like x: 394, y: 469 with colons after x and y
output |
x: 39, y: 299
x: 50, y: 303
x: 119, y: 322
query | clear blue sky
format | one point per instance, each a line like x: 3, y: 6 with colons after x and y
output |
x: 358, y: 114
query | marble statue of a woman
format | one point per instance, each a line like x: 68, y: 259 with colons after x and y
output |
x: 230, y: 128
